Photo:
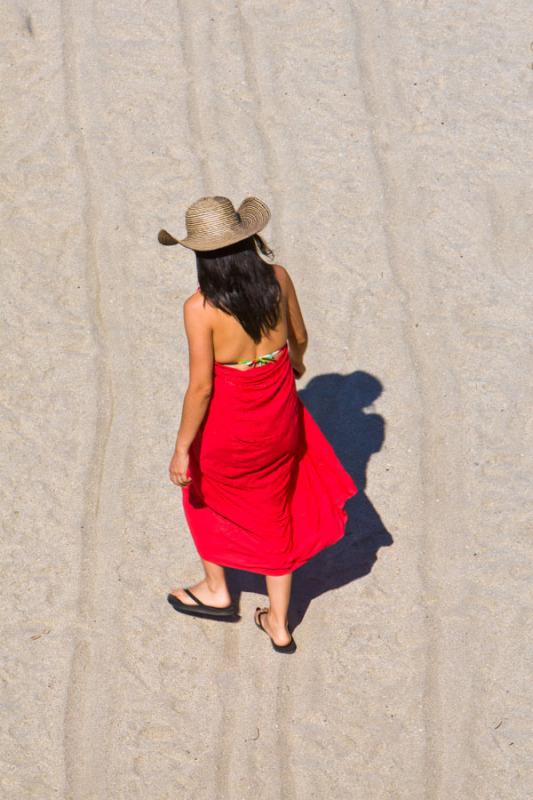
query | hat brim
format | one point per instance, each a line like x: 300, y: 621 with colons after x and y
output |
x: 165, y: 238
x: 254, y: 215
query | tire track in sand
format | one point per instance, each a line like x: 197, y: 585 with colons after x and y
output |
x: 261, y: 120
x: 389, y: 129
x: 88, y: 725
x: 193, y: 116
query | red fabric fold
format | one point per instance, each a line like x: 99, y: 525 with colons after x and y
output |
x: 267, y: 489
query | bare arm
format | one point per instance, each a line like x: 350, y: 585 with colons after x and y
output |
x: 198, y: 394
x: 297, y: 332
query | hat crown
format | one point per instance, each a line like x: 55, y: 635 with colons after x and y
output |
x: 211, y: 216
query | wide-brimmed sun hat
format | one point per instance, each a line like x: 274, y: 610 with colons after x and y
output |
x: 212, y: 222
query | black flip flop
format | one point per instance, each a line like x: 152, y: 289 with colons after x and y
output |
x: 201, y: 609
x: 290, y: 647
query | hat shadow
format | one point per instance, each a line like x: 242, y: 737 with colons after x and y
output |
x: 337, y: 403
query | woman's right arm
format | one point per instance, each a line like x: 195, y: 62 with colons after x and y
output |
x: 297, y: 332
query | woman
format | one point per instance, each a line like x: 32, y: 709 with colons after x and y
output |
x: 262, y: 488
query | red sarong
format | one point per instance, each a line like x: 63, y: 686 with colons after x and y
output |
x: 267, y: 489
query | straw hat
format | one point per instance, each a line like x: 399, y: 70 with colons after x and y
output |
x: 212, y: 222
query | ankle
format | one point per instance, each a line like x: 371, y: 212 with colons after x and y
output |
x: 216, y: 587
x: 276, y: 621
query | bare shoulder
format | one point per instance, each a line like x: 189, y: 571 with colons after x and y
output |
x: 284, y: 278
x: 281, y: 274
x: 196, y: 311
x: 194, y: 303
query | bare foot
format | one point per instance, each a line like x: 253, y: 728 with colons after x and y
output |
x: 220, y: 598
x: 278, y: 633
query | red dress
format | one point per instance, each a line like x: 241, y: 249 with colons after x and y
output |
x: 267, y: 489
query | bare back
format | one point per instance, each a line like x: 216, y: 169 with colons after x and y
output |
x: 231, y: 342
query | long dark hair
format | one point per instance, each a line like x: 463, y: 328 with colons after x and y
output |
x: 236, y: 280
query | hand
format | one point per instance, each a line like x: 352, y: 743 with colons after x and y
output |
x: 298, y: 368
x: 178, y: 468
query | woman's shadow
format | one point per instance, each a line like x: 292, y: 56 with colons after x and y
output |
x: 337, y: 403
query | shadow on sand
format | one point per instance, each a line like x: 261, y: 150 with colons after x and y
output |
x: 337, y: 403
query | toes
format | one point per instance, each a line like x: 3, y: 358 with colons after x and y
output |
x: 182, y: 596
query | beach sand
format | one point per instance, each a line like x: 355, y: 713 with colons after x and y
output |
x: 392, y: 142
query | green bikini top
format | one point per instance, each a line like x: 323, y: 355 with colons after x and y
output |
x: 255, y: 362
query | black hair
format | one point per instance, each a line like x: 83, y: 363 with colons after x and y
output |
x: 236, y: 280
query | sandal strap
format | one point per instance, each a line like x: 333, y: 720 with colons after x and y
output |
x: 193, y: 597
x: 259, y: 619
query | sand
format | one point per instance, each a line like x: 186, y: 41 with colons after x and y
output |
x: 392, y: 141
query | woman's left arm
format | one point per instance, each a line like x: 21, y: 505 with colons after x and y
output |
x: 198, y: 394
